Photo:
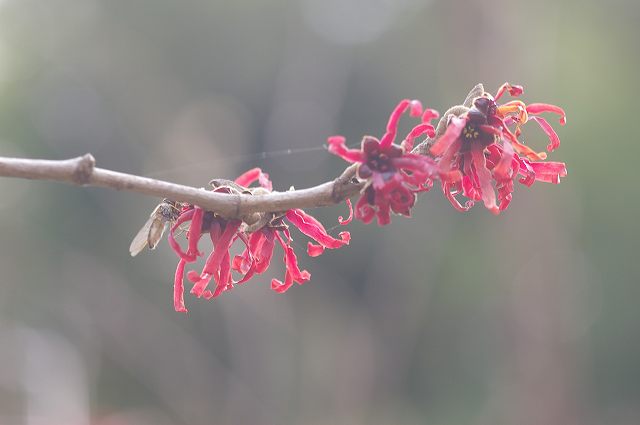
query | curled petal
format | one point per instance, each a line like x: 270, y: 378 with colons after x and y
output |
x: 213, y: 263
x: 401, y: 200
x: 450, y: 135
x: 519, y: 147
x: 249, y: 177
x: 392, y: 125
x: 314, y: 250
x: 514, y: 90
x: 429, y: 115
x: 364, y: 210
x: 341, y: 220
x: 415, y: 108
x: 450, y: 193
x: 311, y: 227
x: 337, y: 146
x: 184, y: 217
x: 293, y: 273
x: 418, y: 131
x: 538, y: 108
x: 554, y: 140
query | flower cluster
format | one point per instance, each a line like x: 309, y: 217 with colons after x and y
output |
x: 475, y: 152
x: 482, y: 144
x: 259, y: 235
x: 392, y: 174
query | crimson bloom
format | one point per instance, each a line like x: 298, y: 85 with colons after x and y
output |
x: 482, y: 144
x: 392, y: 174
x: 259, y: 238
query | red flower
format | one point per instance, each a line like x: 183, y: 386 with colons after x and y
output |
x: 392, y: 174
x: 480, y: 144
x: 259, y: 239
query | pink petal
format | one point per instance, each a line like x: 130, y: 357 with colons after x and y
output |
x: 364, y: 211
x: 447, y: 190
x: 484, y: 177
x: 430, y: 114
x: 553, y: 136
x: 549, y: 172
x: 293, y: 273
x: 337, y: 146
x: 418, y: 131
x: 178, y: 288
x: 394, y: 118
x: 416, y: 163
x: 212, y: 265
x: 341, y: 220
x: 528, y: 175
x: 311, y: 227
x: 450, y: 135
x: 264, y: 255
x: 195, y: 231
x: 504, y: 169
x: 538, y: 108
x: 416, y: 108
x: 184, y: 217
x: 248, y: 177
x: 513, y: 90
x: 519, y: 147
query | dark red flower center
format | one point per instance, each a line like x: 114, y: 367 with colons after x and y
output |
x: 379, y: 162
x: 470, y: 132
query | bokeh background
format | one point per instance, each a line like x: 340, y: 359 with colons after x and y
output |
x: 527, y: 318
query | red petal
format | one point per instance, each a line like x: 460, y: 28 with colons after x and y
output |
x: 212, y: 265
x: 484, y: 178
x: 538, y: 108
x: 447, y: 190
x: 450, y: 135
x: 178, y: 288
x: 430, y: 114
x: 195, y: 231
x: 519, y: 147
x: 293, y: 273
x: 504, y: 169
x: 311, y: 227
x: 364, y: 211
x: 337, y: 146
x: 418, y: 131
x: 247, y: 178
x: 553, y: 136
x: 513, y: 90
x: 184, y: 217
x: 264, y: 255
x: 549, y: 172
x: 394, y: 118
x: 341, y: 220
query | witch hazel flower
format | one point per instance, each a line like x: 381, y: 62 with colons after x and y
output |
x: 481, y: 143
x: 392, y: 174
x: 259, y: 234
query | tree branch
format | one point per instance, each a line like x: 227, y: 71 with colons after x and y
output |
x: 82, y: 171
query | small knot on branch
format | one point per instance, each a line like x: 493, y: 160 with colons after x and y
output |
x: 84, y: 166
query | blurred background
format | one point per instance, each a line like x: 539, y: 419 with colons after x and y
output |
x: 526, y: 318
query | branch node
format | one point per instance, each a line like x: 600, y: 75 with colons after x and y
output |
x: 84, y: 166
